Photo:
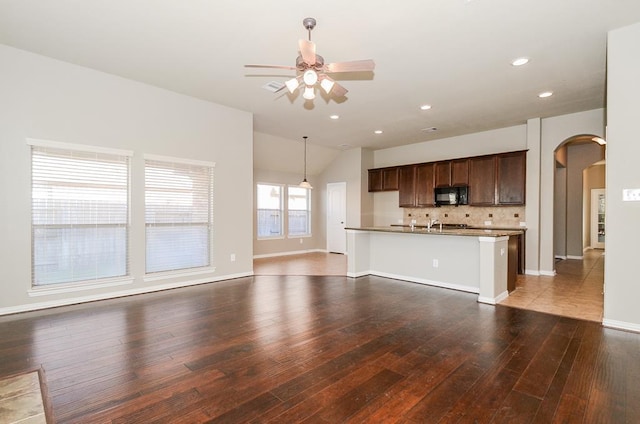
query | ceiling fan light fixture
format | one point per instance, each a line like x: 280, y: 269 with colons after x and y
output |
x: 309, y: 93
x: 310, y: 77
x: 327, y: 84
x: 292, y: 84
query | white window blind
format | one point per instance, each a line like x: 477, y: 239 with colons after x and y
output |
x: 178, y: 215
x: 299, y: 207
x: 270, y: 210
x: 79, y: 215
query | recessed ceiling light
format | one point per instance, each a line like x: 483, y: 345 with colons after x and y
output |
x: 335, y: 117
x: 425, y: 107
x: 344, y: 146
x: 520, y: 61
x: 545, y: 94
x: 430, y: 129
x: 378, y: 131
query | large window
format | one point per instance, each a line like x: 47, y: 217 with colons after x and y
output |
x: 80, y: 218
x: 299, y: 209
x: 270, y: 210
x: 178, y: 214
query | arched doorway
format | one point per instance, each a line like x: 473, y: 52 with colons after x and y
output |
x: 575, y: 177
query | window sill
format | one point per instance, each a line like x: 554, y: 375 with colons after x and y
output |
x: 158, y: 276
x: 51, y: 289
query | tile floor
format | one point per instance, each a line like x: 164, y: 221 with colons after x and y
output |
x: 21, y: 400
x: 576, y: 291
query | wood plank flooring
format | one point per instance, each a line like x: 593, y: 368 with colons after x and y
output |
x: 328, y: 349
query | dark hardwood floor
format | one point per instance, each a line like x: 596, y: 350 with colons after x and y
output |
x: 324, y: 350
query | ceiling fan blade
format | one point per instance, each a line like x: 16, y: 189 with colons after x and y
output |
x: 338, y: 90
x: 307, y: 51
x: 353, y: 66
x: 292, y: 68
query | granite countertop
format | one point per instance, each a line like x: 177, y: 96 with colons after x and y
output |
x: 472, y: 232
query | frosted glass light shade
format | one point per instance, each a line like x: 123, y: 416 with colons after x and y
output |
x: 309, y: 93
x: 326, y: 85
x: 292, y: 85
x: 310, y: 77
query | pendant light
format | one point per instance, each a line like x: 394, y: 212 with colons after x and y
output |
x: 305, y: 183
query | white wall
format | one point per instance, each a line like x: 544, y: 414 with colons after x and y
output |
x: 53, y: 100
x: 622, y: 288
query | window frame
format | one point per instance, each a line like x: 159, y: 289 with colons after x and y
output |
x: 308, y: 211
x: 38, y: 289
x: 186, y: 271
x: 281, y: 211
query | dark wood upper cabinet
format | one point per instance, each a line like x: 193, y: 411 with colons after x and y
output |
x: 407, y: 186
x: 460, y: 172
x: 424, y: 185
x: 511, y: 178
x: 383, y: 179
x: 443, y: 173
x: 390, y: 179
x: 482, y: 180
x: 375, y: 180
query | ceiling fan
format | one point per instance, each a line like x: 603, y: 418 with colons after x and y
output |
x: 311, y: 68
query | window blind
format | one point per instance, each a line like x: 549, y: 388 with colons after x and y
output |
x: 80, y: 217
x: 178, y: 215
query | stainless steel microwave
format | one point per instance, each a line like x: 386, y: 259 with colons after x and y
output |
x: 452, y: 196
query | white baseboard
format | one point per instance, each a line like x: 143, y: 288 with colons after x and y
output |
x: 575, y: 257
x: 292, y: 252
x: 563, y: 257
x: 121, y: 293
x: 531, y: 272
x: 621, y: 325
x: 493, y: 300
x: 548, y: 273
x: 459, y: 287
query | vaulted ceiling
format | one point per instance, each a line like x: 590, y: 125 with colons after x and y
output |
x: 454, y: 55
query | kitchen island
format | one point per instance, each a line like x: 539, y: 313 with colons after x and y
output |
x: 471, y: 260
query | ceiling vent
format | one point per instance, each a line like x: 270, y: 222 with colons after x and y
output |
x: 273, y: 86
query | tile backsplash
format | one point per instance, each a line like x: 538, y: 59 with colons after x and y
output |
x: 475, y: 216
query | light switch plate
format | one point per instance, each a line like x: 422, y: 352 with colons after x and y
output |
x: 631, y: 195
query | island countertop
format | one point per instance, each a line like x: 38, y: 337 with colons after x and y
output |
x: 470, y: 232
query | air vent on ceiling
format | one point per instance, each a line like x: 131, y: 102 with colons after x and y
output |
x: 273, y: 86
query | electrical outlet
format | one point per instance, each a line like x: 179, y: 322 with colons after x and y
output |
x: 487, y: 222
x: 300, y: 241
x: 435, y: 263
x: 233, y: 257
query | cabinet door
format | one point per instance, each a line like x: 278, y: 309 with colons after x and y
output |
x: 425, y: 184
x: 511, y: 178
x: 482, y: 180
x: 460, y: 172
x: 443, y: 174
x: 375, y: 180
x: 407, y: 186
x: 390, y: 179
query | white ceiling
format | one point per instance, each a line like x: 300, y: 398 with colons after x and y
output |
x: 452, y: 54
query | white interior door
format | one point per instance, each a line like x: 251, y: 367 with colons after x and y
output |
x: 336, y: 217
x: 598, y: 206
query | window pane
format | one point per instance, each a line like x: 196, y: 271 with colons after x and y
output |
x: 178, y: 205
x: 269, y: 205
x: 299, y: 211
x: 79, y: 215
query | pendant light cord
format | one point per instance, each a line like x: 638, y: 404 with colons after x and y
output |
x: 305, y: 157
